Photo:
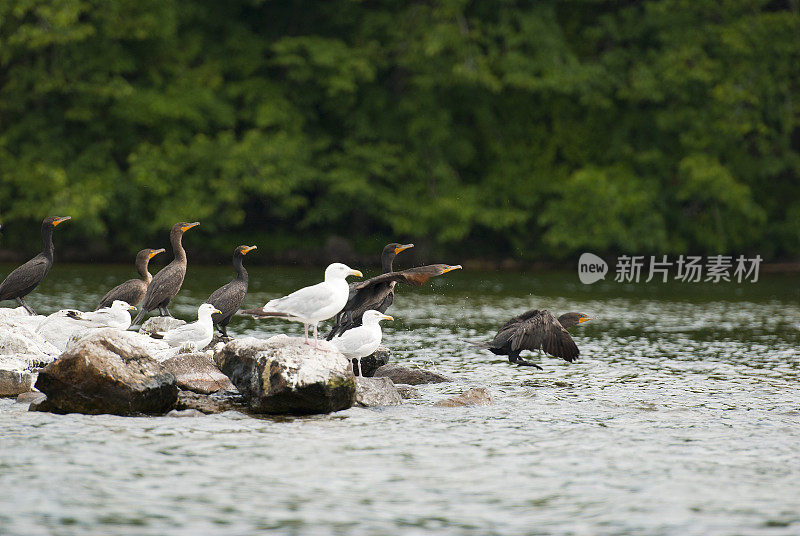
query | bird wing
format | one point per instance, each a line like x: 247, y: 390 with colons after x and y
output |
x: 185, y: 333
x: 228, y: 298
x: 351, y: 341
x: 412, y: 276
x: 131, y: 291
x: 164, y: 286
x: 304, y: 302
x: 541, y: 330
x: 24, y: 277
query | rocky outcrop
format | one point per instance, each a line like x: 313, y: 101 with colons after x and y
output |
x: 15, y: 376
x: 407, y: 391
x: 106, y: 372
x: 283, y: 375
x: 196, y: 372
x: 409, y: 376
x: 372, y: 362
x: 371, y: 392
x: 477, y: 396
x: 21, y: 348
x: 211, y: 404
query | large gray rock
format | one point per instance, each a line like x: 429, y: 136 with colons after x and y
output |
x: 106, y: 372
x: 196, y: 372
x: 283, y: 375
x: 409, y: 376
x: 371, y: 392
x: 372, y: 362
x: 19, y: 340
x: 477, y: 396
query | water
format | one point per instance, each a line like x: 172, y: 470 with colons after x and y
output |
x: 682, y: 417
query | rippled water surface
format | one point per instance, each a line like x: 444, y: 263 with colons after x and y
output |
x: 682, y: 417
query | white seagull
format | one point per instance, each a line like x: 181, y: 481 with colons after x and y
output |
x: 195, y: 335
x: 311, y: 305
x: 362, y: 341
x: 117, y: 316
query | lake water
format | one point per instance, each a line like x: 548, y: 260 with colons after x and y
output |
x: 681, y: 417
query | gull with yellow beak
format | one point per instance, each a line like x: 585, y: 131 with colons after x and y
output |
x: 311, y: 305
x: 363, y: 340
x: 166, y: 283
x: 193, y: 336
x: 116, y: 316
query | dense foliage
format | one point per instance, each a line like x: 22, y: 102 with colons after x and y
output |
x: 525, y: 129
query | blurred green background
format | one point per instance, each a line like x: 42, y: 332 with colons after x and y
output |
x: 482, y: 129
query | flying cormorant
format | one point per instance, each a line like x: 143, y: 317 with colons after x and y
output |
x: 228, y: 298
x: 535, y: 330
x: 166, y: 283
x: 311, y: 305
x: 25, y: 278
x: 133, y: 290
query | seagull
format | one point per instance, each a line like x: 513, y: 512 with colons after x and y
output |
x: 311, y: 305
x: 363, y: 340
x: 195, y: 335
x: 117, y: 316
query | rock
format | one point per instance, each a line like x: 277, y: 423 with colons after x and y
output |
x: 106, y: 372
x: 185, y: 413
x: 15, y: 376
x: 58, y: 328
x: 30, y: 397
x: 160, y: 324
x: 196, y: 372
x: 283, y: 375
x: 211, y: 404
x: 409, y: 376
x: 477, y: 396
x: 372, y: 392
x: 18, y: 338
x: 372, y: 362
x: 407, y: 392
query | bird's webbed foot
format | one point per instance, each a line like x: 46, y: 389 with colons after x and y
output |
x: 523, y: 363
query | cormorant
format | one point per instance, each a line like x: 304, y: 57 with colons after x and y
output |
x: 378, y: 297
x: 27, y: 277
x: 229, y: 298
x: 535, y: 330
x: 311, y: 305
x: 133, y: 290
x: 166, y: 283
x: 362, y: 340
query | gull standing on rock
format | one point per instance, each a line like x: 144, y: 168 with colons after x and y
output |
x: 311, y: 305
x: 363, y: 340
x: 117, y: 316
x: 196, y: 335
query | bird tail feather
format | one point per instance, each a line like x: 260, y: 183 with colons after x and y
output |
x: 484, y: 345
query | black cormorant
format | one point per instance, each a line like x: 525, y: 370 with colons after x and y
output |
x: 133, y: 290
x: 25, y: 278
x: 378, y: 293
x: 166, y: 283
x: 228, y: 298
x: 535, y: 330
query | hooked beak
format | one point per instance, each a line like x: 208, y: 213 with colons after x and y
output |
x: 131, y: 307
x: 387, y: 317
x: 404, y: 247
x: 217, y: 311
x: 61, y: 220
x: 583, y: 319
x: 356, y: 273
x: 155, y: 252
x: 451, y: 268
x: 248, y: 249
x: 189, y: 226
